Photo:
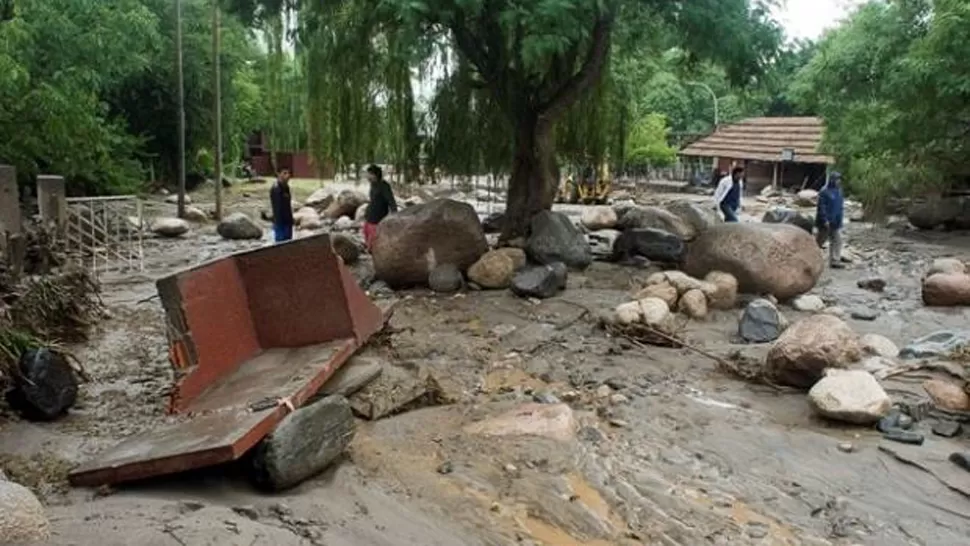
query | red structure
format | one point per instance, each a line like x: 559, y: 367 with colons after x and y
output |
x: 252, y: 336
x: 300, y: 164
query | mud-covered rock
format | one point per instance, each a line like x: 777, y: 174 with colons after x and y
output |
x: 239, y: 226
x: 808, y: 303
x: 784, y: 215
x: 776, y: 259
x: 852, y: 396
x: 725, y: 294
x: 628, y: 313
x: 761, y: 322
x: 600, y: 217
x: 494, y: 223
x: 946, y: 265
x: 305, y: 443
x: 693, y: 304
x: 878, y: 345
x: 170, y: 227
x: 346, y: 204
x: 654, y: 311
x: 947, y: 290
x: 654, y: 244
x: 655, y: 218
x: 947, y: 395
x: 446, y: 279
x: 45, y: 386
x: 22, y: 518
x: 320, y: 198
x: 554, y: 238
x: 346, y: 248
x: 698, y: 217
x: 935, y: 212
x: 809, y: 346
x: 665, y: 291
x: 806, y: 198
x: 496, y: 268
x: 541, y: 281
x: 554, y: 421
x: 414, y: 241
x: 195, y: 215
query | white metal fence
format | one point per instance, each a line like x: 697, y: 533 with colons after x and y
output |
x: 105, y: 233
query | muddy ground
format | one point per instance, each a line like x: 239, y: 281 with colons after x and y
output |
x: 685, y: 455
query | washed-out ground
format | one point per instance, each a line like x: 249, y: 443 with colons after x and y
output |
x: 685, y: 456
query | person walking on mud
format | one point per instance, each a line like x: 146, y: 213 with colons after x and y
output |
x: 829, y: 219
x: 381, y: 204
x: 279, y: 198
x: 728, y: 194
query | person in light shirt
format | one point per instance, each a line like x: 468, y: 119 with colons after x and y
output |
x: 728, y: 194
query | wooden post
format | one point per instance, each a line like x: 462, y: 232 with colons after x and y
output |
x: 9, y: 203
x: 52, y: 200
x: 774, y: 176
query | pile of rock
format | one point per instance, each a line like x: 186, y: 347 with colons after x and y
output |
x: 947, y: 284
x: 675, y: 291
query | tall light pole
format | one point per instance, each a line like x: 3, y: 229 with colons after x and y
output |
x: 181, y: 108
x: 216, y: 47
x: 717, y: 120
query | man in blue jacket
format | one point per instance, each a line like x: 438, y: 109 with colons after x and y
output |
x: 829, y: 219
x: 279, y: 197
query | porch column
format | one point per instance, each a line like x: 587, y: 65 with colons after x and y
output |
x: 52, y: 200
x: 9, y: 202
x: 774, y: 175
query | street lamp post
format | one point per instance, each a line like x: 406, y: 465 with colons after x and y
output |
x: 717, y: 120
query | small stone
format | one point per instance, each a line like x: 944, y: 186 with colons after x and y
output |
x: 757, y: 530
x: 511, y: 468
x: 619, y: 423
x: 874, y: 284
x: 905, y: 421
x: 904, y: 437
x: 864, y: 313
x: 947, y: 429
x: 446, y: 467
x: 835, y: 311
x: 879, y: 345
x: 618, y: 399
x: 947, y: 395
x: 853, y: 396
x: 846, y: 447
x: 808, y: 303
x: 496, y: 507
x: 603, y: 391
x: 187, y: 506
x: 281, y: 509
x: 546, y: 397
x: 247, y: 511
x: 592, y: 435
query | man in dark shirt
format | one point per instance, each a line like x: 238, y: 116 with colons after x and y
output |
x: 279, y: 197
x: 381, y: 203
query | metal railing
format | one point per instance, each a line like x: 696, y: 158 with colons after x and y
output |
x: 105, y: 233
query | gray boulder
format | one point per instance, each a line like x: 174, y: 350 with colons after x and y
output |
x: 657, y: 218
x: 554, y: 238
x: 446, y: 279
x: 761, y: 322
x: 304, y: 444
x: 542, y: 281
x: 170, y: 227
x: 654, y: 244
x: 22, y: 518
x: 699, y: 218
x: 493, y: 223
x: 238, y: 226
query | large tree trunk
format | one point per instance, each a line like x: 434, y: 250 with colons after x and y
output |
x: 535, y: 176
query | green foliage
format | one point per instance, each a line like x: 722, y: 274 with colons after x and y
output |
x: 647, y: 143
x: 894, y: 88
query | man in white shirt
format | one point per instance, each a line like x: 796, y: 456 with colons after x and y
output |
x: 728, y: 194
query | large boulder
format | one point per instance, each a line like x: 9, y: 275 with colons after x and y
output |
x: 654, y: 244
x: 946, y: 289
x: 936, y: 212
x: 320, y: 198
x: 345, y: 247
x: 781, y: 260
x: 414, y: 241
x: 554, y: 238
x: 542, y: 281
x: 493, y: 223
x: 806, y: 198
x: 305, y: 443
x: 698, y: 217
x: 195, y: 215
x: 946, y: 265
x: 852, y: 396
x: 808, y: 347
x: 446, y: 279
x: 761, y: 322
x: 238, y: 226
x: 346, y: 204
x: 496, y: 268
x: 596, y: 218
x: 22, y: 519
x: 657, y: 218
x: 784, y: 215
x: 170, y: 227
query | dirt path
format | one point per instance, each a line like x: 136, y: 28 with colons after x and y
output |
x: 666, y: 449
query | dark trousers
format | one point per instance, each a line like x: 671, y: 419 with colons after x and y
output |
x: 282, y: 232
x: 730, y: 215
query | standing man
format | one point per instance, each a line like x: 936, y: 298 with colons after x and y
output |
x: 829, y: 219
x: 381, y: 204
x: 727, y: 195
x: 279, y: 198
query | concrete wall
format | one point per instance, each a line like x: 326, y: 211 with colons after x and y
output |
x: 10, y: 218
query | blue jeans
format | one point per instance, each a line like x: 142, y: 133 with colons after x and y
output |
x: 730, y: 215
x: 282, y: 232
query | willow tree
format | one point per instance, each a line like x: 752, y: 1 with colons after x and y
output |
x: 528, y: 61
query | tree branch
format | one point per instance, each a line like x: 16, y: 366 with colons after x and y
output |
x: 592, y: 67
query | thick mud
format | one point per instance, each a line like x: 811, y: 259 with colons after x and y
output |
x: 663, y: 448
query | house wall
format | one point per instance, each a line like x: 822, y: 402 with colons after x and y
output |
x: 759, y: 174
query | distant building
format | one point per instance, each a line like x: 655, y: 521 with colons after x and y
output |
x: 300, y: 163
x: 782, y: 152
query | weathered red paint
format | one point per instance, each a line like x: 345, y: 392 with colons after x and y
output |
x: 274, y: 323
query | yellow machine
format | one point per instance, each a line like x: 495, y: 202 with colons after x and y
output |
x: 591, y: 190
